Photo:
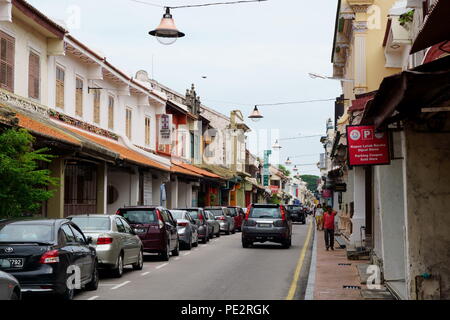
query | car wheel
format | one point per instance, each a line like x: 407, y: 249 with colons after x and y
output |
x: 93, y: 284
x: 228, y: 231
x: 287, y: 244
x: 165, y: 255
x: 233, y: 231
x: 176, y: 251
x: 189, y: 244
x: 140, y: 262
x: 68, y: 294
x: 245, y: 244
x: 218, y: 234
x: 195, y: 244
x: 118, y: 270
x: 15, y: 296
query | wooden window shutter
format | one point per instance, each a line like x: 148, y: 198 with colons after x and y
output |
x: 7, y: 44
x: 97, y: 106
x: 60, y: 75
x: 34, y: 76
x: 111, y: 113
x: 79, y: 97
x: 147, y: 131
x: 128, y: 123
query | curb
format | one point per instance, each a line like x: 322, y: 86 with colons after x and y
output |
x: 309, y: 294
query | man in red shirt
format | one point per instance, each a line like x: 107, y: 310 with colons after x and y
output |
x: 328, y: 226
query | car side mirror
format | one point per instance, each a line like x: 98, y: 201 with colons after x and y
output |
x: 89, y: 240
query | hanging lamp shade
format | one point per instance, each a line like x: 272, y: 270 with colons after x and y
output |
x: 255, y: 115
x: 276, y: 145
x: 167, y: 33
x: 295, y: 168
x: 288, y: 162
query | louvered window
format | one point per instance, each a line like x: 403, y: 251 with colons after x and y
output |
x: 34, y: 74
x: 60, y: 75
x: 79, y: 97
x: 7, y: 44
x: 97, y: 106
x: 128, y: 123
x: 111, y: 113
x: 147, y: 131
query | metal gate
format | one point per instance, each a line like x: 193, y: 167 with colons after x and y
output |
x: 80, y: 189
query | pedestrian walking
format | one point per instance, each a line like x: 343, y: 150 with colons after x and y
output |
x: 319, y: 217
x: 328, y: 219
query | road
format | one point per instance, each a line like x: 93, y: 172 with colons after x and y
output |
x: 219, y: 270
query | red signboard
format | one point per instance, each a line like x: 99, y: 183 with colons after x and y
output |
x: 366, y: 146
x: 326, y: 193
x: 274, y: 189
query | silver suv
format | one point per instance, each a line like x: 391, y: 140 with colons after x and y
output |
x: 267, y: 222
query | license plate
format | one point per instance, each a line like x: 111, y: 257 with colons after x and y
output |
x: 11, y: 263
x: 265, y: 225
x: 139, y: 230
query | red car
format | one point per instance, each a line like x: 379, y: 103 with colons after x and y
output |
x: 156, y: 228
x: 238, y: 216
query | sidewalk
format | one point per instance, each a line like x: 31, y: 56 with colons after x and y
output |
x: 331, y: 277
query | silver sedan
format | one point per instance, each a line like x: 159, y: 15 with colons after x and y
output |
x: 9, y: 286
x: 187, y: 228
x: 116, y: 243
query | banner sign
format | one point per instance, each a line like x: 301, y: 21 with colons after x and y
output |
x: 326, y: 193
x: 367, y: 147
x: 165, y: 129
x: 266, y: 170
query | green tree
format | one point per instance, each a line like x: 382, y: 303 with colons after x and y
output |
x: 311, y: 181
x: 23, y: 185
x: 284, y: 170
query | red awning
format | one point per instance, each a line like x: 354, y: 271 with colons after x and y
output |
x: 361, y: 100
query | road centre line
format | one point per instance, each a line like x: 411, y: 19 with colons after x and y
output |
x: 93, y: 298
x: 161, y: 266
x: 145, y: 273
x: 120, y: 285
x: 298, y: 269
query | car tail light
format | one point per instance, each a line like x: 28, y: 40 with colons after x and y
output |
x: 118, y: 212
x: 104, y: 240
x: 200, y: 216
x: 183, y: 224
x: 50, y: 257
x: 248, y: 212
x: 221, y: 218
x: 283, y: 213
x: 160, y: 220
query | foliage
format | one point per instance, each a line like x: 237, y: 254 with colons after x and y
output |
x: 23, y: 185
x: 311, y: 181
x: 274, y: 200
x: 406, y: 18
x: 284, y: 170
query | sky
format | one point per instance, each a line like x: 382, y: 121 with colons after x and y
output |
x: 251, y: 53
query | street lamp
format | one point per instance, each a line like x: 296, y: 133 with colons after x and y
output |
x: 256, y: 115
x: 288, y: 162
x: 167, y: 33
x: 276, y: 145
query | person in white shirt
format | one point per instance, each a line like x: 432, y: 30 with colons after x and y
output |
x: 319, y: 217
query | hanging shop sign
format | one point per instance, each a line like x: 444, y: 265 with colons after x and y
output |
x: 341, y: 187
x: 326, y: 193
x: 366, y: 146
x: 165, y: 129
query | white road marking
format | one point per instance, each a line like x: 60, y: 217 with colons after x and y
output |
x: 145, y: 273
x: 107, y: 284
x: 93, y: 298
x: 177, y: 258
x: 187, y: 253
x: 120, y: 285
x: 161, y: 266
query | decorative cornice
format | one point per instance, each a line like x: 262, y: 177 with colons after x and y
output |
x: 21, y: 103
x: 359, y: 26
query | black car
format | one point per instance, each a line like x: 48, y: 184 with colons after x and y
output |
x: 47, y: 256
x: 297, y: 213
x: 198, y: 214
x: 267, y: 222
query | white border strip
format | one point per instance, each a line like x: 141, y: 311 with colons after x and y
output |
x: 309, y: 294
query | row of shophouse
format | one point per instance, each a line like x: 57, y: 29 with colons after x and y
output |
x: 117, y: 140
x: 394, y: 58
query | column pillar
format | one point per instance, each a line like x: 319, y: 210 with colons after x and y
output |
x: 359, y: 216
x: 174, y: 193
x: 102, y: 184
x: 55, y: 205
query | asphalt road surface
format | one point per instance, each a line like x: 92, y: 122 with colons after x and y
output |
x: 219, y: 270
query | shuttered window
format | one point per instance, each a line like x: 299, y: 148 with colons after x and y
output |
x: 34, y: 75
x: 147, y: 131
x: 111, y: 113
x: 7, y: 44
x: 128, y: 123
x: 97, y: 106
x: 60, y: 75
x: 79, y: 97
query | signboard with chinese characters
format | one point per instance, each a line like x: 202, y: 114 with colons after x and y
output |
x: 165, y: 129
x: 366, y: 146
x: 266, y: 171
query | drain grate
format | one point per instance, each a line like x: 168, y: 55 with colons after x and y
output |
x: 344, y: 264
x: 351, y: 287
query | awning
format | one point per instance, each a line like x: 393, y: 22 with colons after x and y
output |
x: 225, y: 173
x: 435, y: 28
x: 178, y: 169
x: 197, y: 171
x: 124, y: 152
x: 406, y: 93
x: 361, y: 100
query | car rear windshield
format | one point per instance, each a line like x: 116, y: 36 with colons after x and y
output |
x: 177, y: 214
x: 193, y: 213
x: 216, y: 212
x: 265, y: 212
x: 26, y: 233
x: 92, y: 223
x: 143, y: 216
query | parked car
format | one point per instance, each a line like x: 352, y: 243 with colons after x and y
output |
x: 116, y: 243
x: 42, y: 254
x: 187, y: 228
x: 214, y: 225
x: 223, y: 215
x: 238, y: 214
x: 267, y: 222
x: 199, y: 216
x: 9, y: 286
x: 156, y: 228
x: 297, y: 213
